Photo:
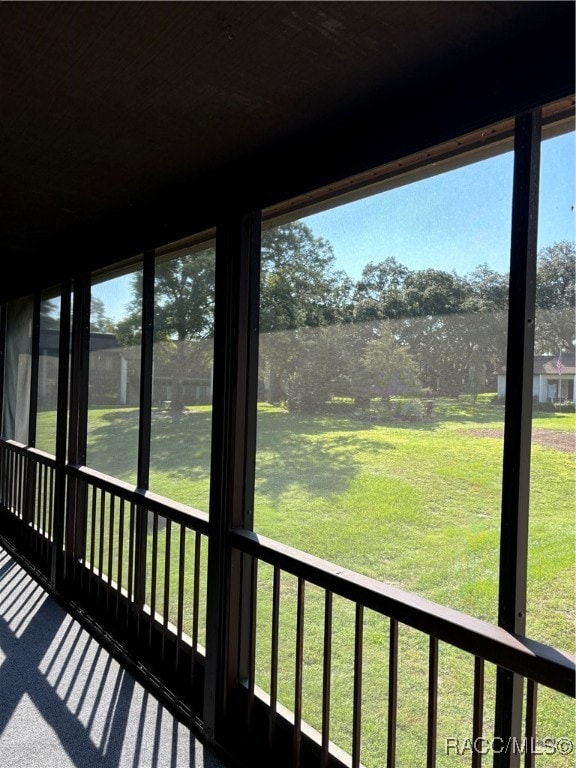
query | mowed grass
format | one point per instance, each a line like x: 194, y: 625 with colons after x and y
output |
x: 416, y: 506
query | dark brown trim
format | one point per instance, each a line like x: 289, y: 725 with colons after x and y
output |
x: 76, y: 502
x: 172, y: 510
x: 392, y: 694
x: 146, y: 370
x: 524, y: 656
x: 230, y: 614
x: 2, y: 361
x: 432, y: 723
x: 357, y: 694
x: 478, y: 710
x: 62, y: 425
x: 518, y: 419
x: 34, y: 366
x: 531, y: 710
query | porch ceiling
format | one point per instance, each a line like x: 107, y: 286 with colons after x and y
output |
x: 118, y: 118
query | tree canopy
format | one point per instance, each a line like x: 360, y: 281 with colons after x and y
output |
x: 393, y: 329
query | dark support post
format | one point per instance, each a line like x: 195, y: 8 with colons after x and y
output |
x: 80, y: 359
x: 29, y: 466
x: 3, y: 462
x: 517, y: 425
x: 61, y: 432
x: 145, y: 428
x: 145, y: 416
x: 478, y: 710
x: 233, y: 454
x: 33, y: 408
x: 77, y: 435
x: 432, y: 703
x: 2, y: 361
x: 531, y: 709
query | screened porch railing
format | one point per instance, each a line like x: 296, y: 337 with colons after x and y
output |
x: 136, y: 564
x: 132, y: 562
x: 136, y: 559
x: 483, y: 642
x: 27, y: 491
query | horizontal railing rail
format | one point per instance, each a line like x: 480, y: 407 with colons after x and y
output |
x: 17, y: 447
x: 521, y: 655
x: 171, y: 510
x: 414, y: 642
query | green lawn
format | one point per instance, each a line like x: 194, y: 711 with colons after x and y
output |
x: 417, y: 506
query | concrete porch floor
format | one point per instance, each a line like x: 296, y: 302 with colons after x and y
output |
x: 65, y: 702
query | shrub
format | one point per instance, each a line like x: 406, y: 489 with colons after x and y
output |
x: 566, y: 407
x: 412, y: 410
x: 306, y: 394
x: 549, y: 407
x: 362, y: 402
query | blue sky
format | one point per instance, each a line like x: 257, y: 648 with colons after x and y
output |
x: 454, y: 221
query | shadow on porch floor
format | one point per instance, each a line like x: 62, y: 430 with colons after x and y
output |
x: 65, y: 701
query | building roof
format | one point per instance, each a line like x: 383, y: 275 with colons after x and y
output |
x: 548, y: 365
x: 99, y: 342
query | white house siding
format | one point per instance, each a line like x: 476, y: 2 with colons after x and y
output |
x: 544, y: 386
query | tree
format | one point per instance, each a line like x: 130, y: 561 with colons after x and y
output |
x: 357, y: 360
x: 487, y: 290
x: 434, y: 292
x: 183, y: 318
x: 314, y: 367
x: 488, y: 329
x: 555, y: 298
x: 476, y: 373
x: 99, y: 321
x: 385, y: 365
x: 379, y: 294
x: 299, y: 288
x: 455, y: 327
x: 555, y: 287
x: 50, y: 314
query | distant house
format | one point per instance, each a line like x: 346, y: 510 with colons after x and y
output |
x: 109, y: 381
x: 115, y: 372
x: 553, y: 378
x: 183, y: 372
x: 48, y: 369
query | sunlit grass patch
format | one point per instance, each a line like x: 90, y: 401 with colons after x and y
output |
x: 417, y: 506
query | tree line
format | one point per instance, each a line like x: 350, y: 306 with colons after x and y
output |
x: 323, y: 334
x: 394, y: 330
